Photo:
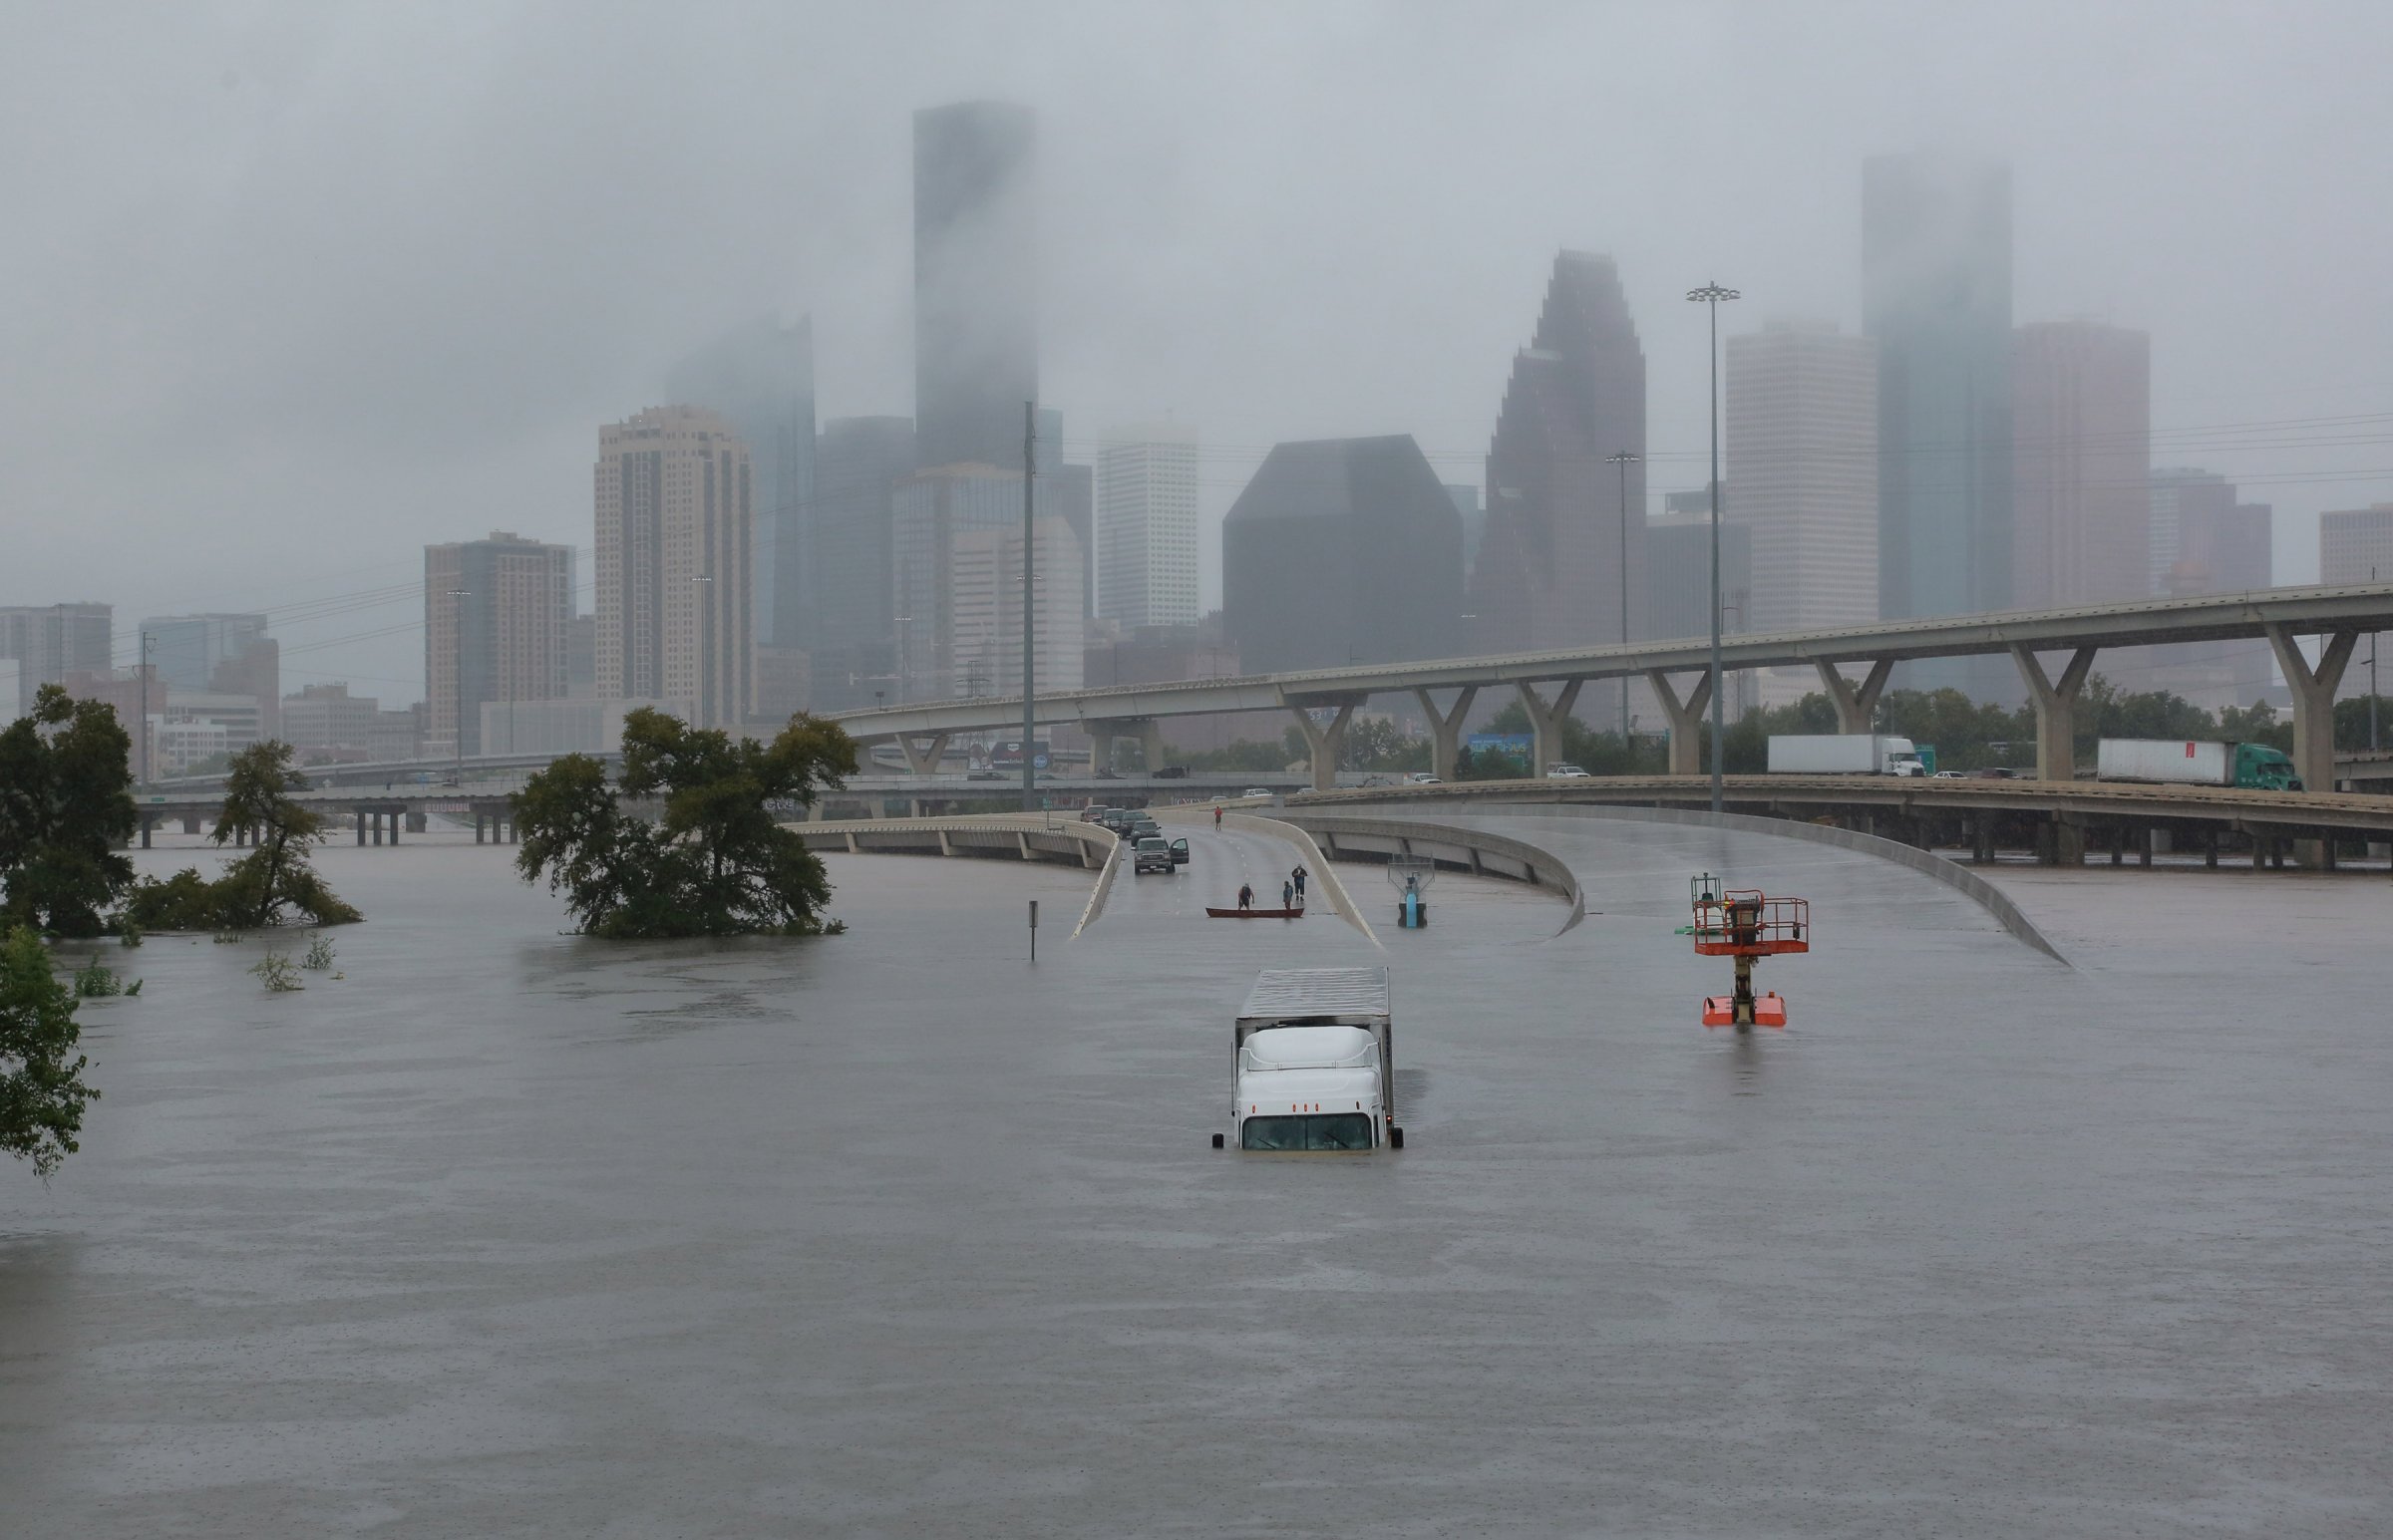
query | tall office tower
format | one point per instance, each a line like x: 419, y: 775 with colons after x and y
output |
x: 976, y: 357
x: 760, y: 378
x: 1550, y: 563
x: 1072, y: 493
x: 1937, y: 299
x: 498, y: 618
x: 1802, y: 453
x: 1146, y: 526
x: 2355, y: 545
x: 1475, y: 521
x: 2081, y: 424
x: 221, y: 654
x: 675, y: 512
x: 1342, y: 551
x: 859, y: 462
x: 984, y: 608
x: 50, y: 641
x: 2211, y: 542
x: 930, y: 510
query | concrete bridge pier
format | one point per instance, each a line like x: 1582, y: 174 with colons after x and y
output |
x: 1445, y: 729
x: 1686, y: 719
x: 147, y: 822
x: 415, y: 820
x: 2056, y: 711
x: 190, y: 823
x: 1545, y: 722
x: 361, y: 824
x: 1857, y: 704
x: 1324, y: 743
x: 924, y: 761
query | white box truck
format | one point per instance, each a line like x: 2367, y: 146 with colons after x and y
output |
x: 1316, y: 1063
x: 2195, y: 763
x: 1843, y: 754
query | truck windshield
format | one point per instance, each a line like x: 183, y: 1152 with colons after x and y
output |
x: 1326, y: 1130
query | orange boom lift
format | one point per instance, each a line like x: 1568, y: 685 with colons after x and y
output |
x: 1741, y: 923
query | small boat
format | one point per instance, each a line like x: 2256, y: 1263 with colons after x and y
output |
x: 1255, y: 914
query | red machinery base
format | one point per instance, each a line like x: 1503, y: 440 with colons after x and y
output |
x: 1769, y: 1009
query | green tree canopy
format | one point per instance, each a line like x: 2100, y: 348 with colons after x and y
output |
x: 42, y: 1095
x: 66, y: 811
x: 277, y: 874
x: 718, y: 862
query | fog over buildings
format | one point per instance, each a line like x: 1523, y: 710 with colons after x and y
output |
x: 296, y: 292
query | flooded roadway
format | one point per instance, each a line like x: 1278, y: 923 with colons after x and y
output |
x: 510, y: 1233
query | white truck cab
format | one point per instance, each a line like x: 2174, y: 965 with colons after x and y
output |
x: 1315, y: 1062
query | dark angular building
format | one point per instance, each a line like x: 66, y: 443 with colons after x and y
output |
x: 1342, y: 551
x: 1550, y: 562
x: 859, y: 462
x: 760, y: 379
x: 976, y: 348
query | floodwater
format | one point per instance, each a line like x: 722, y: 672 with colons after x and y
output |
x: 511, y: 1233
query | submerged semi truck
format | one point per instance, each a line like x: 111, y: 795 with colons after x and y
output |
x: 1845, y: 754
x: 2193, y: 762
x: 1316, y: 1063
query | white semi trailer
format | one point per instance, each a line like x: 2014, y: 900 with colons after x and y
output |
x: 1843, y: 754
x: 1316, y: 1063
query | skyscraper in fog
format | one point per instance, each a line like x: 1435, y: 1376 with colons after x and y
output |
x: 2206, y: 539
x: 760, y: 378
x: 859, y: 462
x: 2081, y: 421
x: 48, y: 642
x: 1802, y: 430
x: 1146, y: 526
x: 1937, y: 299
x: 675, y: 509
x: 975, y: 282
x: 932, y: 511
x: 1548, y: 571
x: 497, y: 620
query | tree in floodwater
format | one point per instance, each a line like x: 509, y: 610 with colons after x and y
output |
x: 42, y: 1095
x: 277, y: 875
x: 718, y: 862
x: 66, y: 811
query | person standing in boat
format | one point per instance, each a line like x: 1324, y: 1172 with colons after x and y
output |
x: 1246, y: 895
x: 1287, y: 894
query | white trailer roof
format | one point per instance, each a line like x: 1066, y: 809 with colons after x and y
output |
x: 1290, y: 992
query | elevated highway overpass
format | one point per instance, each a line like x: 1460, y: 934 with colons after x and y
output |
x: 1549, y: 682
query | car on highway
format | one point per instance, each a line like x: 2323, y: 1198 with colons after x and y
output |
x: 985, y: 774
x: 1950, y: 776
x: 1095, y: 813
x: 1153, y: 853
x: 1423, y: 779
x: 1257, y: 791
x: 1566, y: 772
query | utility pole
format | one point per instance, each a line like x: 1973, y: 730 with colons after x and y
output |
x: 149, y: 650
x: 456, y: 671
x: 1624, y: 459
x: 1030, y: 474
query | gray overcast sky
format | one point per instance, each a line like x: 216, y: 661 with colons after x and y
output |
x: 292, y: 289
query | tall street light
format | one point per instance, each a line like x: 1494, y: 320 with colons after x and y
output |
x: 1711, y: 294
x: 1624, y: 459
x: 1030, y: 475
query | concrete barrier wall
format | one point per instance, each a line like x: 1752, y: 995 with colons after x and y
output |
x: 1349, y: 838
x: 1310, y: 853
x: 1016, y: 837
x: 1987, y: 896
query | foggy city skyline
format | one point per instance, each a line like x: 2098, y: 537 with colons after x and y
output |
x: 300, y: 292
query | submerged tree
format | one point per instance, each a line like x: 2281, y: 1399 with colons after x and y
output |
x: 42, y: 1095
x: 66, y: 811
x: 717, y: 863
x: 277, y: 875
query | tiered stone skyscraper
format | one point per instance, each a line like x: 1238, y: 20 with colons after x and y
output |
x: 675, y: 514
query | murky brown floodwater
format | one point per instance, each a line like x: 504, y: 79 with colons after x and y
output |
x: 509, y: 1234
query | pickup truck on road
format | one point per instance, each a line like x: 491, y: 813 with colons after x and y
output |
x: 1153, y: 853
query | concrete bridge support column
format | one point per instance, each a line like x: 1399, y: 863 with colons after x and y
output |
x: 1324, y: 743
x: 376, y: 818
x: 361, y: 825
x: 1686, y: 719
x: 396, y: 820
x: 1545, y: 722
x: 1445, y: 729
x: 1150, y: 744
x: 1101, y: 744
x: 146, y: 824
x: 190, y: 823
x: 1855, y: 704
x: 2313, y: 701
x: 2056, y: 711
x: 415, y: 821
x: 925, y: 761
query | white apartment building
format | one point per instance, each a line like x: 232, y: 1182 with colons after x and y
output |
x: 1802, y: 473
x: 676, y: 522
x: 1146, y: 526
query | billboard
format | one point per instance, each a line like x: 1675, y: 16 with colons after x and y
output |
x: 1487, y: 748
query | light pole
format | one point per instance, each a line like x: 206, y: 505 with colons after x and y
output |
x: 1030, y: 474
x: 149, y: 650
x: 2372, y: 678
x: 1624, y: 459
x: 1710, y: 295
x: 456, y: 671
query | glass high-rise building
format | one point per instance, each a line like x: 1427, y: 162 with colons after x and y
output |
x: 497, y: 616
x: 1937, y: 299
x: 1146, y: 526
x: 1802, y: 430
x: 760, y: 379
x: 859, y: 462
x: 976, y: 356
